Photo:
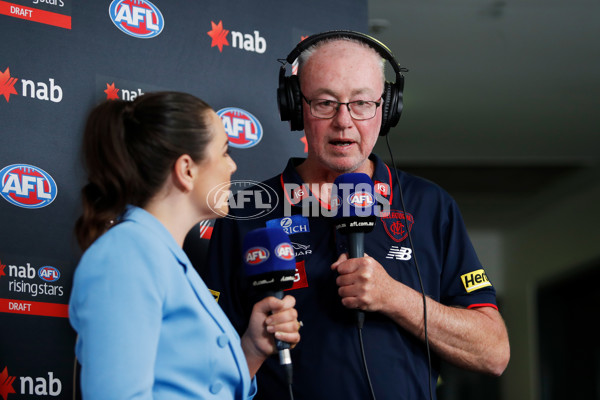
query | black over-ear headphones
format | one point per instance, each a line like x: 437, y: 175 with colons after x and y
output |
x: 289, y: 99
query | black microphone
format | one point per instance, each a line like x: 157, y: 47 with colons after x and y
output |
x: 355, y: 214
x: 270, y: 264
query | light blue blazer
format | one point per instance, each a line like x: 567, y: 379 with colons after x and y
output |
x: 148, y: 327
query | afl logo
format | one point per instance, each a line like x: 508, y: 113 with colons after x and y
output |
x: 49, y: 274
x: 27, y: 186
x: 243, y: 128
x: 285, y: 251
x: 137, y: 18
x: 361, y: 199
x: 256, y: 255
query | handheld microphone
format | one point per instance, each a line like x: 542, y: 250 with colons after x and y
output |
x: 270, y: 265
x: 355, y: 214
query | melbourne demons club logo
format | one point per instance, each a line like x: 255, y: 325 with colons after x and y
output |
x: 397, y: 224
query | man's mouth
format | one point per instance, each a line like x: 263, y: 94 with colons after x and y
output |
x: 341, y: 143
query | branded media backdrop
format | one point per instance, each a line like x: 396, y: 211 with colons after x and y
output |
x: 58, y: 58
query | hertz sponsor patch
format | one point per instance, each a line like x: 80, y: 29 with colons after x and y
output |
x: 215, y: 294
x: 475, y: 280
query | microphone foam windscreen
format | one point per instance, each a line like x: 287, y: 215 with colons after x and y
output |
x: 355, y: 198
x: 269, y: 259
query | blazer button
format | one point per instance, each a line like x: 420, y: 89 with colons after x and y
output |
x: 222, y: 340
x: 216, y: 387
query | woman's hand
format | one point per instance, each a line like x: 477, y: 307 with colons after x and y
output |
x: 271, y: 319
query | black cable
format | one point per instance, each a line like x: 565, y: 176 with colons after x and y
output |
x: 283, y: 350
x: 361, y: 320
x: 387, y: 140
x: 288, y: 375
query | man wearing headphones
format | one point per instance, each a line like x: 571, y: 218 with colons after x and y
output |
x: 342, y: 101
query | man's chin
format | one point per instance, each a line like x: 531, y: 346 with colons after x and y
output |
x: 344, y: 167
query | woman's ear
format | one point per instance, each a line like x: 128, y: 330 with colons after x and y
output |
x: 184, y: 172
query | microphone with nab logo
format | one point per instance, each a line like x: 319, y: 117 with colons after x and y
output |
x: 270, y: 265
x: 355, y: 214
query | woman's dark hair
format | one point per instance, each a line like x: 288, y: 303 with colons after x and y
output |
x: 129, y: 148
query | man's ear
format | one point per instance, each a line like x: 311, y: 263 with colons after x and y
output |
x: 184, y: 172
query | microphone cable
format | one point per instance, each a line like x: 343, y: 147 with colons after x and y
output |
x: 387, y: 141
x: 288, y: 372
x: 361, y: 314
x: 285, y: 357
x: 360, y: 317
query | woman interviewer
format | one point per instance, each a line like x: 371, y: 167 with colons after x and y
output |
x: 148, y: 327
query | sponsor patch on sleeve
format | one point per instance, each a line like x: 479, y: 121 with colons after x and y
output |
x: 475, y: 280
x: 215, y: 294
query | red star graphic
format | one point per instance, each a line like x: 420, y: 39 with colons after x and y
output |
x: 111, y: 92
x: 2, y: 273
x: 7, y: 84
x: 6, y: 384
x: 303, y: 140
x: 218, y: 35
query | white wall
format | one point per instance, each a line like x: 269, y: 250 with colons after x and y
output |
x: 553, y: 242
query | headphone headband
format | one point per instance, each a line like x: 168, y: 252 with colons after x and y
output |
x: 377, y: 45
x: 289, y: 98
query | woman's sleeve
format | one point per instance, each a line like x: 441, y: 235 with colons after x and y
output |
x: 116, y: 308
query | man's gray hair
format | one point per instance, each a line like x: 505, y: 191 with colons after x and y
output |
x: 306, y: 54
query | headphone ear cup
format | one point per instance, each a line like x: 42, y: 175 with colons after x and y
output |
x: 283, y: 98
x: 296, y: 117
x: 385, y: 110
x: 289, y: 101
x: 391, y: 108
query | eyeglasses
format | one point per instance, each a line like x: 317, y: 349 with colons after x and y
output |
x: 326, y: 109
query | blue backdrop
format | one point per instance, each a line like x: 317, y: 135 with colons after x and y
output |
x: 58, y: 58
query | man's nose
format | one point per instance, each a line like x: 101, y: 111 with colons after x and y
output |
x: 343, y: 117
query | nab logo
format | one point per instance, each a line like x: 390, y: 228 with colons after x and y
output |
x: 7, y: 84
x: 361, y: 199
x: 27, y: 186
x: 242, y: 128
x: 6, y: 383
x: 244, y: 41
x: 38, y: 90
x: 285, y: 251
x: 137, y: 18
x: 256, y: 255
x: 39, y: 386
x: 49, y: 274
x: 112, y: 93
